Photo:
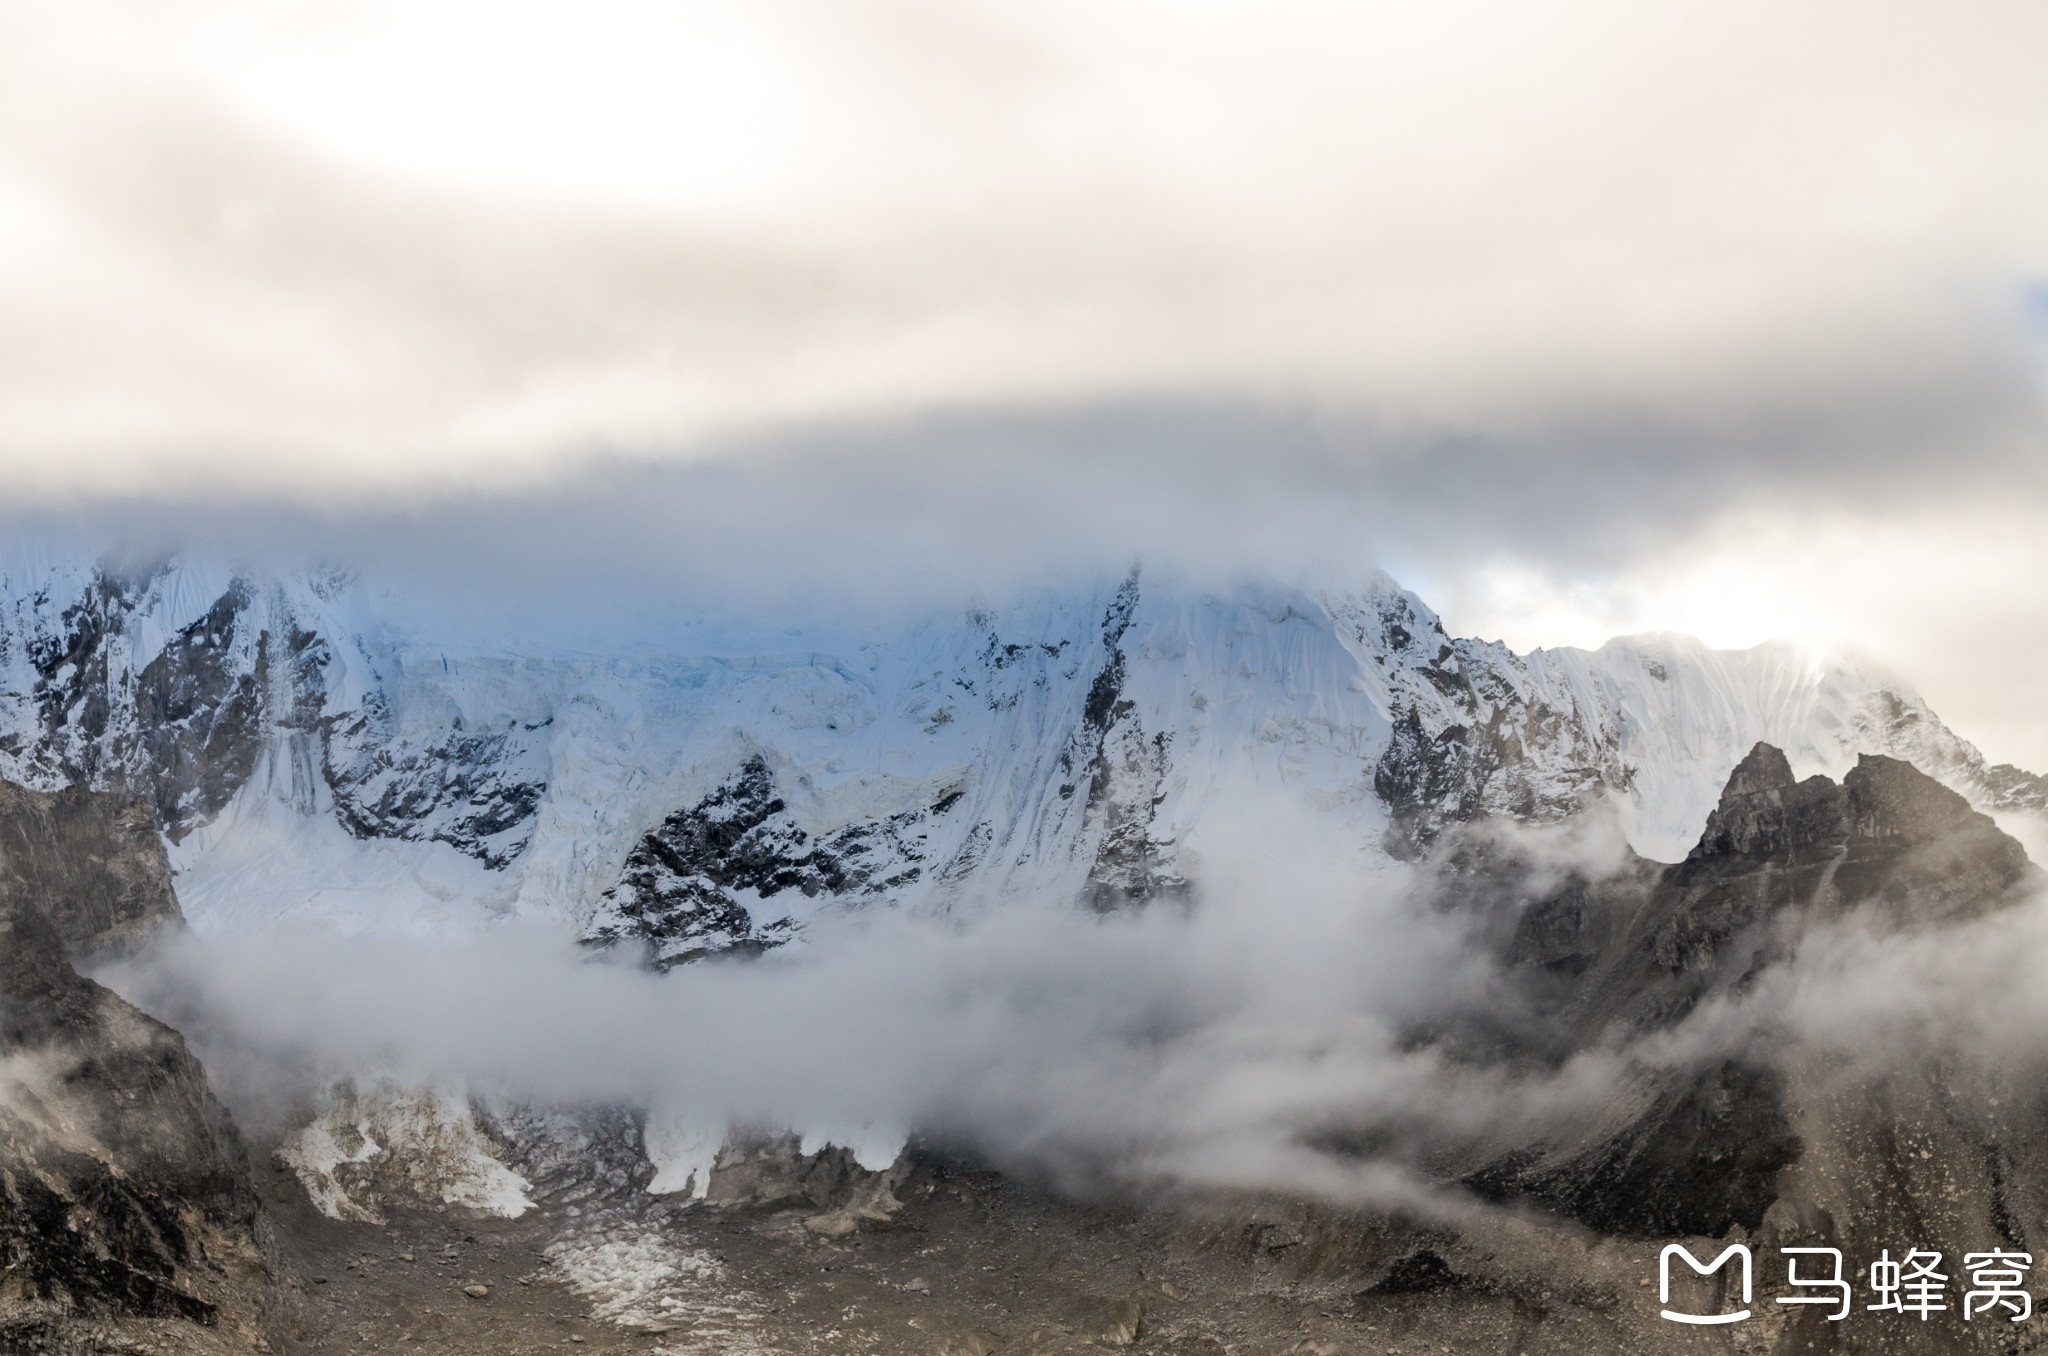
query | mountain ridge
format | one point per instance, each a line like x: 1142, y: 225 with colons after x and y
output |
x: 289, y: 729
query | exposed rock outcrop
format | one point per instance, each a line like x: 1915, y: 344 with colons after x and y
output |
x: 125, y: 1196
x: 770, y: 1171
x: 90, y: 864
x: 1698, y: 1148
x: 694, y: 886
x: 171, y: 684
x: 1718, y: 1119
x: 1126, y: 770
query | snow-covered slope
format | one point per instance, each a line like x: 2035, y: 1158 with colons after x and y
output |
x: 1683, y: 715
x: 309, y: 757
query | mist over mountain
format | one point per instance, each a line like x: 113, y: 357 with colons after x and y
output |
x: 973, y: 679
x: 1380, y: 965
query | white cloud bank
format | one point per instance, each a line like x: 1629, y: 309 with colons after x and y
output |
x: 358, y: 243
x: 1617, y: 298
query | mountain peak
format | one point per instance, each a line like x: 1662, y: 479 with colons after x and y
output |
x: 1889, y: 798
x: 1763, y: 769
x: 1764, y: 810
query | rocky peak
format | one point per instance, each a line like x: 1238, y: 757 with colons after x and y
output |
x: 1765, y: 811
x: 1762, y: 772
x: 1884, y: 807
x: 1888, y: 798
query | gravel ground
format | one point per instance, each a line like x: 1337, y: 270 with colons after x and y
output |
x: 975, y: 1265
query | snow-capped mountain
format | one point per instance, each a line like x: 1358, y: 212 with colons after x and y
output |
x: 308, y: 755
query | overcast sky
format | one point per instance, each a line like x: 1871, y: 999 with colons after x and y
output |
x: 1581, y: 317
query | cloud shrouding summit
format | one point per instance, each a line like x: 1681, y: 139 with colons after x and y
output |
x: 1579, y: 318
x: 360, y: 244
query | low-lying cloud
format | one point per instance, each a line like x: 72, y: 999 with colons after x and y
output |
x: 1215, y: 1044
x: 1294, y: 1028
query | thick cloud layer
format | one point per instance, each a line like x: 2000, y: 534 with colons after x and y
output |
x: 437, y: 242
x: 1581, y: 319
x: 1935, y: 572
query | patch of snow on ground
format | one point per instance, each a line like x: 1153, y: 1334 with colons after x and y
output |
x: 636, y: 1275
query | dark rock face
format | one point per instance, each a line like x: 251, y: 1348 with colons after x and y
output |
x: 1890, y: 799
x: 199, y: 715
x: 1772, y: 1070
x: 1484, y: 757
x: 80, y: 1230
x: 1464, y: 771
x: 183, y: 732
x: 1764, y: 811
x: 1704, y: 1157
x: 70, y: 693
x: 186, y: 730
x: 476, y: 791
x: 1427, y: 780
x: 1126, y: 771
x: 598, y: 1153
x: 92, y: 865
x: 682, y: 886
x: 1700, y: 1149
x: 124, y: 1187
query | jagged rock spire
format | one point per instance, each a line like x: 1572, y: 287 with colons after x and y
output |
x: 1763, y: 810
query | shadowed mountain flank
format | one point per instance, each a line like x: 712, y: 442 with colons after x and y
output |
x: 1701, y: 1145
x: 91, y: 864
x: 125, y: 1196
